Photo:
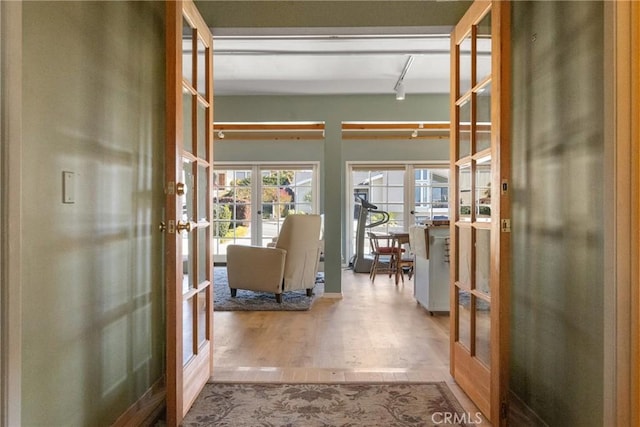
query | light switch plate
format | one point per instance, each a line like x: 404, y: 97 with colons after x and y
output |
x: 68, y: 187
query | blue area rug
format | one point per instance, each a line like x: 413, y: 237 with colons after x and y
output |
x: 260, y: 301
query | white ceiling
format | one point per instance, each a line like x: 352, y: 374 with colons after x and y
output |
x: 330, y: 63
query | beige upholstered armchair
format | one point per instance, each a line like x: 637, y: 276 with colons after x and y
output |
x: 291, y: 264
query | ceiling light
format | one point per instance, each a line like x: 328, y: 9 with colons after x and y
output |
x: 399, y: 87
x: 400, y: 91
x: 221, y: 135
x: 414, y: 134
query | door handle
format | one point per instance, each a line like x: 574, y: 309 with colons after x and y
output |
x: 163, y: 226
x: 185, y: 226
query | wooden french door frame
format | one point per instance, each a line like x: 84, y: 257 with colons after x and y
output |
x: 621, y: 397
x: 189, y: 210
x: 484, y: 381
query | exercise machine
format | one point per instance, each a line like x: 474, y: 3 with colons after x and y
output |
x: 359, y: 263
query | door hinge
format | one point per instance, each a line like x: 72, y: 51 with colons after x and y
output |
x: 505, y: 225
x: 504, y: 410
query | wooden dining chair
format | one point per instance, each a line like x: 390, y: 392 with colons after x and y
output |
x: 404, y: 261
x: 385, y: 254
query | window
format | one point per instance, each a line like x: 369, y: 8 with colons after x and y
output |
x: 250, y: 211
x: 409, y: 193
x: 431, y: 194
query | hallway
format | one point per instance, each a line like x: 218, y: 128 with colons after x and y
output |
x: 375, y: 333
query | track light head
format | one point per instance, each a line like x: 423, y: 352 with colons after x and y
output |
x: 400, y: 94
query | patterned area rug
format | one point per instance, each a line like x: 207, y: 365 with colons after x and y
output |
x: 259, y: 301
x: 308, y: 405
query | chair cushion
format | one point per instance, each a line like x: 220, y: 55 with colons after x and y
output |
x: 389, y: 250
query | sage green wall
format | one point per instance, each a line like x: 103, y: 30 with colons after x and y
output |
x: 558, y: 252
x: 93, y: 99
x: 333, y: 152
x: 324, y: 13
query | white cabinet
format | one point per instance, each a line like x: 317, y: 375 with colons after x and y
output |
x: 431, y: 266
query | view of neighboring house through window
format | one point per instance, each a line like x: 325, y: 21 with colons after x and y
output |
x: 431, y: 194
x: 250, y: 211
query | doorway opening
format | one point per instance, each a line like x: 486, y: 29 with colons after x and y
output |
x: 376, y: 330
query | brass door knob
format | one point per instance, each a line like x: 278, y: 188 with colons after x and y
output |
x: 163, y: 226
x: 184, y: 226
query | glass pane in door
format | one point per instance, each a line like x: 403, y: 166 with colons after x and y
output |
x: 465, y: 65
x: 232, y: 195
x: 187, y: 331
x: 483, y: 49
x: 464, y: 318
x: 465, y: 253
x: 483, y: 118
x: 201, y: 301
x: 276, y: 202
x: 464, y: 193
x: 187, y: 52
x: 203, y: 265
x: 201, y: 60
x: 483, y: 261
x: 483, y: 330
x: 201, y: 118
x: 384, y: 188
x: 464, y: 129
x: 203, y: 193
x: 483, y: 190
x: 386, y: 191
x: 431, y: 189
x: 302, y: 188
x: 284, y: 192
x: 187, y: 202
x: 187, y: 126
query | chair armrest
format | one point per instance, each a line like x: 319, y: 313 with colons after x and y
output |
x: 255, y: 268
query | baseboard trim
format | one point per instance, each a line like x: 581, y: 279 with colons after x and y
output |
x: 334, y: 295
x: 520, y: 414
x: 145, y: 410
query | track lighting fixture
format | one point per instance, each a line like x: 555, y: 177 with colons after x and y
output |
x: 400, y: 91
x: 399, y: 87
x: 221, y: 135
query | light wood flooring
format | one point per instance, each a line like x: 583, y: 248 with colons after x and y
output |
x: 376, y: 332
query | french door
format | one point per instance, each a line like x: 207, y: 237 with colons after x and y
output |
x: 188, y: 228
x: 480, y: 226
x: 411, y: 193
x: 252, y: 201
